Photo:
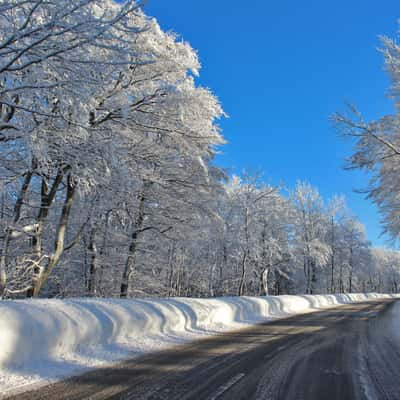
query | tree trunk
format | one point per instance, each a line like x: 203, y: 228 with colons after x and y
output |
x: 41, y: 274
x: 309, y: 277
x: 351, y: 271
x: 222, y: 267
x: 211, y: 284
x: 171, y: 255
x: 277, y: 285
x: 47, y: 198
x: 93, y: 263
x: 245, y: 254
x: 313, y: 277
x: 17, y: 214
x: 341, y: 279
x: 103, y: 251
x: 131, y: 259
x: 264, y: 279
x: 333, y: 256
x: 243, y: 275
x: 350, y: 280
x: 332, y: 273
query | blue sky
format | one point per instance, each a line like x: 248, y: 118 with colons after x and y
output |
x: 280, y: 69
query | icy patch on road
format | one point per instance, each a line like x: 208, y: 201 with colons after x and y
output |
x: 45, y: 340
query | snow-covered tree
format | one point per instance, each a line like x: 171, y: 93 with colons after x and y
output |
x: 310, y: 232
x: 127, y: 101
x: 377, y: 146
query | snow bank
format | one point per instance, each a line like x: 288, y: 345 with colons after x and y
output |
x: 41, y: 340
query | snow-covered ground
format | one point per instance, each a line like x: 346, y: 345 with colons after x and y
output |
x: 45, y: 340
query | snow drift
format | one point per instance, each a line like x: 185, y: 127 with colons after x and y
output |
x: 45, y: 339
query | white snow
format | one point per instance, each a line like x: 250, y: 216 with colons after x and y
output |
x: 45, y: 340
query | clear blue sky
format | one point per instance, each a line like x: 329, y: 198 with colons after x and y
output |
x: 280, y: 69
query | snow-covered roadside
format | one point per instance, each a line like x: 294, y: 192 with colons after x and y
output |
x: 44, y: 340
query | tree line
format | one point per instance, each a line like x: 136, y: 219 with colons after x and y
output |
x: 108, y: 186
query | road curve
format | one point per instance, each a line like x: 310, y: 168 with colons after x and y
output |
x: 348, y: 352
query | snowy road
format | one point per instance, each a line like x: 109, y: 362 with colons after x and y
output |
x: 350, y: 352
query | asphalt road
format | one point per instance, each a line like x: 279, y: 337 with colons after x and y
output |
x: 351, y: 352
